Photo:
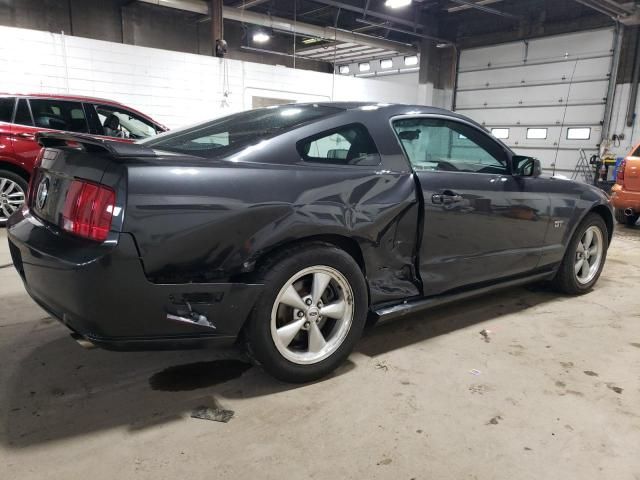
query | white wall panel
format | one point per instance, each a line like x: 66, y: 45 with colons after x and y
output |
x: 524, y: 75
x: 175, y: 88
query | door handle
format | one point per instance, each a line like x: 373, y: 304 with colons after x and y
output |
x: 447, y: 197
x: 29, y: 136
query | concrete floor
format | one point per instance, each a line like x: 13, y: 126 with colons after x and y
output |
x: 556, y: 395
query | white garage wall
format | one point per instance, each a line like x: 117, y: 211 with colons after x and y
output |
x: 172, y: 87
x: 618, y: 121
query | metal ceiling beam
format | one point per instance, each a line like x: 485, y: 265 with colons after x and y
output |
x: 484, y: 8
x: 460, y: 8
x: 286, y: 25
x: 402, y: 30
x: 369, y: 12
x: 249, y: 4
x: 329, y: 33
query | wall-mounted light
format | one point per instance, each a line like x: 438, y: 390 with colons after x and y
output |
x: 343, y: 69
x: 261, y: 37
x: 411, y: 60
x: 386, y: 63
x: 397, y: 3
x: 364, y: 67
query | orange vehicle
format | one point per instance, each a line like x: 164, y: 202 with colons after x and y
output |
x: 625, y: 194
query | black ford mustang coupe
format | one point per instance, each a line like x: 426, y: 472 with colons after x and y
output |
x: 287, y: 227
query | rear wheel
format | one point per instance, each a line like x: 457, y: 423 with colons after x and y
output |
x: 625, y: 219
x: 310, y: 315
x: 584, y: 258
x: 13, y: 191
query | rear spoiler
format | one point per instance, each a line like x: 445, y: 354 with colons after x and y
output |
x: 93, y: 144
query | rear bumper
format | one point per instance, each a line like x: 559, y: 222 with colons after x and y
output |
x: 101, y: 292
x: 621, y: 198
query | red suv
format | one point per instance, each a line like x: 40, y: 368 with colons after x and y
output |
x: 22, y: 116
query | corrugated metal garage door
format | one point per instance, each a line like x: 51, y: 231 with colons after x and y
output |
x: 544, y: 97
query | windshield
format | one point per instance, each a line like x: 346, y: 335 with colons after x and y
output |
x: 223, y: 135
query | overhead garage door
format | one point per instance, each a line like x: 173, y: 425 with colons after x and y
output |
x: 543, y: 97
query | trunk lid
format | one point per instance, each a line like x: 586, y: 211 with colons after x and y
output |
x: 67, y: 158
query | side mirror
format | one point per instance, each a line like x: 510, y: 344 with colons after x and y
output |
x: 526, y: 166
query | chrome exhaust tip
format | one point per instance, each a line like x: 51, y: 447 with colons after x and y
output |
x: 82, y: 341
x: 628, y: 212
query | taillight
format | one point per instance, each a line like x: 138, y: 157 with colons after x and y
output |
x: 88, y: 210
x: 620, y: 174
x: 34, y: 178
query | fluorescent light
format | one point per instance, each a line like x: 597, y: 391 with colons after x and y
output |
x: 260, y: 37
x: 411, y: 60
x: 343, y: 69
x: 388, y: 63
x: 364, y: 67
x: 397, y: 3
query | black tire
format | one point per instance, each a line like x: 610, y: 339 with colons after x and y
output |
x: 566, y: 280
x: 18, y: 180
x: 274, y: 274
x: 625, y: 219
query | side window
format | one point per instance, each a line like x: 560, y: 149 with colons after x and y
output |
x: 6, y: 108
x: 59, y: 115
x: 436, y: 144
x: 121, y: 123
x: 347, y: 145
x: 23, y: 115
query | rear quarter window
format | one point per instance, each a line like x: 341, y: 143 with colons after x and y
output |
x: 347, y: 145
x: 6, y: 108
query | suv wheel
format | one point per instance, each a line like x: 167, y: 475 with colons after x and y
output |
x: 13, y: 191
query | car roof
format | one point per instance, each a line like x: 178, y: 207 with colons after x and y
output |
x: 80, y: 98
x: 392, y: 108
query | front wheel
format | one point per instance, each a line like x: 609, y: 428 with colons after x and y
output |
x: 310, y: 314
x: 584, y: 258
x: 13, y: 191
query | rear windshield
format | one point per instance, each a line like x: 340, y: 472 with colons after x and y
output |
x: 227, y: 134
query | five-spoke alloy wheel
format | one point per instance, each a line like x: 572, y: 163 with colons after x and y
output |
x: 584, y: 257
x: 588, y: 255
x: 13, y: 189
x: 312, y: 311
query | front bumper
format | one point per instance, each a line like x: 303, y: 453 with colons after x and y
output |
x: 101, y: 292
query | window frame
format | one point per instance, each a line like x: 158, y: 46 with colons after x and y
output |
x: 327, y: 162
x: 128, y: 111
x: 578, y: 128
x: 508, y: 129
x: 507, y: 152
x: 13, y: 110
x: 49, y: 99
x: 546, y: 133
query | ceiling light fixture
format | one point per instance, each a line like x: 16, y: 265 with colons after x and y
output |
x: 397, y: 3
x: 261, y: 37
